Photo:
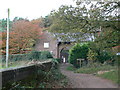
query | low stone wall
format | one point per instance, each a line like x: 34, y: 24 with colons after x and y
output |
x: 19, y: 73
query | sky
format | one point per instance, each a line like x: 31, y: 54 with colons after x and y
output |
x: 30, y: 9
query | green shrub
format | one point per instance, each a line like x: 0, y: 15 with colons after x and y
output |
x: 105, y: 56
x: 76, y: 52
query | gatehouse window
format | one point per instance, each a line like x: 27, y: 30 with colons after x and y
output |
x: 46, y: 45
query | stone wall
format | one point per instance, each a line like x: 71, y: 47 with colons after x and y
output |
x: 19, y: 73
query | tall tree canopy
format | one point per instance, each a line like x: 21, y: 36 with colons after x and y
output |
x: 89, y: 17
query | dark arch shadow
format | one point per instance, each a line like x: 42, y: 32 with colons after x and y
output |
x: 64, y: 55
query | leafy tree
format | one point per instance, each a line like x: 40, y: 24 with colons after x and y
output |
x: 101, y: 16
x: 22, y: 36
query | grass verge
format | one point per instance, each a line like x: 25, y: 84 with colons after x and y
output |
x: 112, y: 75
x: 91, y: 70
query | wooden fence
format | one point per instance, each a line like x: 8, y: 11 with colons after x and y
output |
x: 19, y: 73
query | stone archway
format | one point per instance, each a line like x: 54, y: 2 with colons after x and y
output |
x: 63, y: 51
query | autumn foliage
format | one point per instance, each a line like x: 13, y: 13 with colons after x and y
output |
x: 23, y: 36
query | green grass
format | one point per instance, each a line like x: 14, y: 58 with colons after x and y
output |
x: 112, y: 75
x: 71, y: 68
x: 91, y: 70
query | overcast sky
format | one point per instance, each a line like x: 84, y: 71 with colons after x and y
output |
x: 30, y: 9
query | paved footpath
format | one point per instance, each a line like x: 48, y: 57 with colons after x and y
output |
x: 78, y: 80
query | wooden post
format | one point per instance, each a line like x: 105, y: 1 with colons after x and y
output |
x: 80, y: 62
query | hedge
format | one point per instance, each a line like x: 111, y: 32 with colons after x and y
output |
x: 34, y: 55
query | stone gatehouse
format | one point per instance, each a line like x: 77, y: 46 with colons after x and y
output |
x: 57, y: 47
x: 50, y: 43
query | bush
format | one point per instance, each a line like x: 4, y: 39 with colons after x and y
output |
x: 105, y: 56
x: 76, y: 52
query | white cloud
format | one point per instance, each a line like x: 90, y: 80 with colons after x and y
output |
x: 30, y: 8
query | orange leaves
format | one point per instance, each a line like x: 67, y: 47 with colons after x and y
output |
x: 23, y: 35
